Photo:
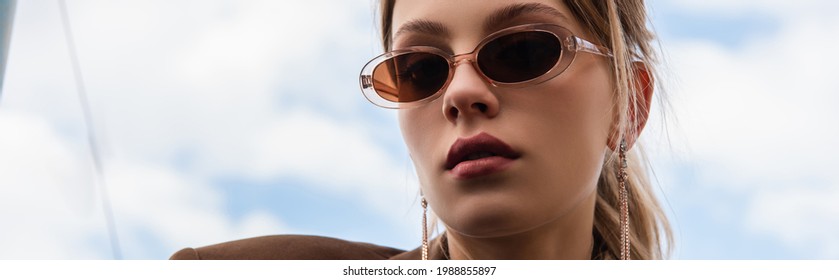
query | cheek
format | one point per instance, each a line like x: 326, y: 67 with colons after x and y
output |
x: 409, y: 132
x: 569, y: 126
x: 584, y: 102
x: 416, y: 125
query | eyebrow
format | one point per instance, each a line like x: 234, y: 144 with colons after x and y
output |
x: 500, y: 16
x: 423, y: 26
x: 495, y: 20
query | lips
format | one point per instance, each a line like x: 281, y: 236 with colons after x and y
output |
x: 479, y: 155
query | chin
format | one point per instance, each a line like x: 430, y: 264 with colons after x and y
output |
x: 488, y: 222
x: 490, y: 230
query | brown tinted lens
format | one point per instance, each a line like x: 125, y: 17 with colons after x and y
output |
x: 519, y: 56
x: 410, y: 77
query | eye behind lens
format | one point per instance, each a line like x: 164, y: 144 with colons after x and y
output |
x: 519, y: 57
x: 410, y: 77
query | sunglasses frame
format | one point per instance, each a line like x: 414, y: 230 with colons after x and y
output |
x: 569, y: 43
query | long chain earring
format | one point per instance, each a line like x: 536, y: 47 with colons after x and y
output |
x: 624, y: 197
x: 424, y: 230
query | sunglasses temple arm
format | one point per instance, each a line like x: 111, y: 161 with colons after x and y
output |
x: 589, y: 47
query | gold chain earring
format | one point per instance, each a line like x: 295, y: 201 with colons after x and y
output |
x: 424, y: 230
x: 624, y: 201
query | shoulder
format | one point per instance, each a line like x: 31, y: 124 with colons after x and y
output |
x: 288, y: 247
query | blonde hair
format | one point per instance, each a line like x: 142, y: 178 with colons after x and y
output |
x: 622, y: 26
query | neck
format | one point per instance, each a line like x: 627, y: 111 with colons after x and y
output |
x: 566, y: 238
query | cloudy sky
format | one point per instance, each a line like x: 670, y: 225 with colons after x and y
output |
x: 220, y: 120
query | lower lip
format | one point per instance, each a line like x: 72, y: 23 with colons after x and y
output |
x: 480, y: 167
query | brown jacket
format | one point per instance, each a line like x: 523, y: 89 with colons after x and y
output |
x: 306, y: 247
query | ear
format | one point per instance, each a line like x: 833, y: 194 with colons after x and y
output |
x: 644, y: 86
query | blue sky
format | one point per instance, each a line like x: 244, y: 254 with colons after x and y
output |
x: 229, y: 120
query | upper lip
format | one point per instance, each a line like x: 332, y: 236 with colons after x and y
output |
x: 481, y: 143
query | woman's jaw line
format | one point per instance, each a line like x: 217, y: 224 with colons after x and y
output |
x: 569, y: 236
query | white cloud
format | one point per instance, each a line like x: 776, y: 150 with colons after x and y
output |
x: 759, y: 119
x: 176, y: 210
x: 803, y: 217
x: 43, y: 195
x: 786, y: 10
x: 193, y: 85
x: 50, y: 209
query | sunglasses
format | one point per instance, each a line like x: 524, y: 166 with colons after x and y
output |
x: 513, y: 57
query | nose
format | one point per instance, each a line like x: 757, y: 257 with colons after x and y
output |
x: 468, y: 95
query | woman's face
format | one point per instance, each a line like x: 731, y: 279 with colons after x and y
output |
x: 556, y: 131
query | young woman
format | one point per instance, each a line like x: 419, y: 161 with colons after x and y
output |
x: 521, y: 118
